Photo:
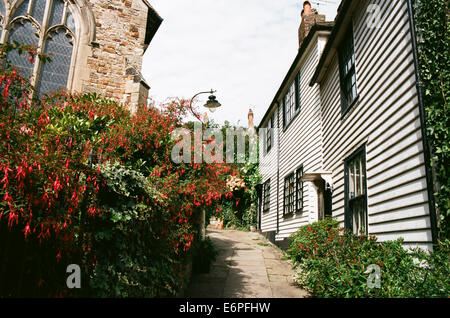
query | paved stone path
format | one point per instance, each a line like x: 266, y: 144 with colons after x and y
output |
x: 248, y: 266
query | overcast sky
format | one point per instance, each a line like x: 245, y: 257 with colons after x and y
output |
x: 241, y: 48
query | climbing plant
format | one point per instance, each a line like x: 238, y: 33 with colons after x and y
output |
x: 433, y: 49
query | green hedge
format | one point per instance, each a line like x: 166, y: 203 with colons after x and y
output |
x: 333, y: 264
x: 434, y: 49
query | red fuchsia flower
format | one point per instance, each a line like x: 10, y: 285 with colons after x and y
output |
x: 27, y: 230
x: 13, y: 217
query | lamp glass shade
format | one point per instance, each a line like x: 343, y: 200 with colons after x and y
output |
x: 212, y: 104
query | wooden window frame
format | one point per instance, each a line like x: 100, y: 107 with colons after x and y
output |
x: 289, y: 198
x: 299, y: 190
x: 352, y: 200
x: 266, y: 196
x: 269, y: 134
x: 346, y: 54
x: 295, y: 106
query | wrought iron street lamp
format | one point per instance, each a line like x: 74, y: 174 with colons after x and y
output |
x: 212, y: 104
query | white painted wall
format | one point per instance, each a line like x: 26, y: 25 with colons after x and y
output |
x: 386, y: 117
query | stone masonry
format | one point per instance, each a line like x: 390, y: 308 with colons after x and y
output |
x: 111, y: 63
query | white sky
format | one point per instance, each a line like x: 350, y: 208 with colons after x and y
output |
x: 241, y: 48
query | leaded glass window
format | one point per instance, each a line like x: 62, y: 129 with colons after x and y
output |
x: 2, y: 16
x: 49, y: 25
x: 56, y: 16
x: 38, y: 10
x: 22, y: 10
x: 53, y: 75
x: 23, y: 32
x: 2, y: 8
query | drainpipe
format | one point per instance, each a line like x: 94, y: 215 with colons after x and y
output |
x: 278, y: 168
x: 426, y: 148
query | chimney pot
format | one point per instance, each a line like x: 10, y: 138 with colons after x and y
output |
x: 250, y: 119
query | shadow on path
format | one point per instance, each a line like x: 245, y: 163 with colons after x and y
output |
x: 247, y: 266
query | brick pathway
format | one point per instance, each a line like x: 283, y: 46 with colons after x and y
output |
x: 247, y: 267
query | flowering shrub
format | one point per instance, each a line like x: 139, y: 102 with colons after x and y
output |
x: 238, y: 205
x: 98, y: 182
x: 333, y: 264
x: 239, y: 208
x: 234, y: 183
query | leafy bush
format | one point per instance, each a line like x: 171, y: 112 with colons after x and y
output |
x: 98, y: 182
x: 203, y: 255
x: 239, y: 209
x: 332, y: 263
x: 434, y: 63
x: 132, y: 258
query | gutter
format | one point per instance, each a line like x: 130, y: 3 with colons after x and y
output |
x: 426, y: 148
x: 321, y: 26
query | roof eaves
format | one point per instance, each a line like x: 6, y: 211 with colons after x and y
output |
x: 331, y: 43
x: 154, y: 21
x: 319, y: 26
x: 152, y: 9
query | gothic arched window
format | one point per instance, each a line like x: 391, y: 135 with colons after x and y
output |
x: 2, y: 16
x: 47, y: 24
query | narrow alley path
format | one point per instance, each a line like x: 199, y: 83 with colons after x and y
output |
x: 247, y: 267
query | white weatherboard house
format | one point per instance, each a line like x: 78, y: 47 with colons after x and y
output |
x: 344, y: 135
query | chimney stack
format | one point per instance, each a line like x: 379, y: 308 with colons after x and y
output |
x: 250, y: 119
x: 309, y: 18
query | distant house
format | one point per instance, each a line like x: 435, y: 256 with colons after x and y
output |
x: 344, y: 135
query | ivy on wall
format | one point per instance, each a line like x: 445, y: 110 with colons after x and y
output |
x: 431, y: 18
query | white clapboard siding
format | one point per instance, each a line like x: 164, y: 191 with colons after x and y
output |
x: 299, y: 145
x: 268, y: 170
x: 301, y: 142
x: 386, y: 118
